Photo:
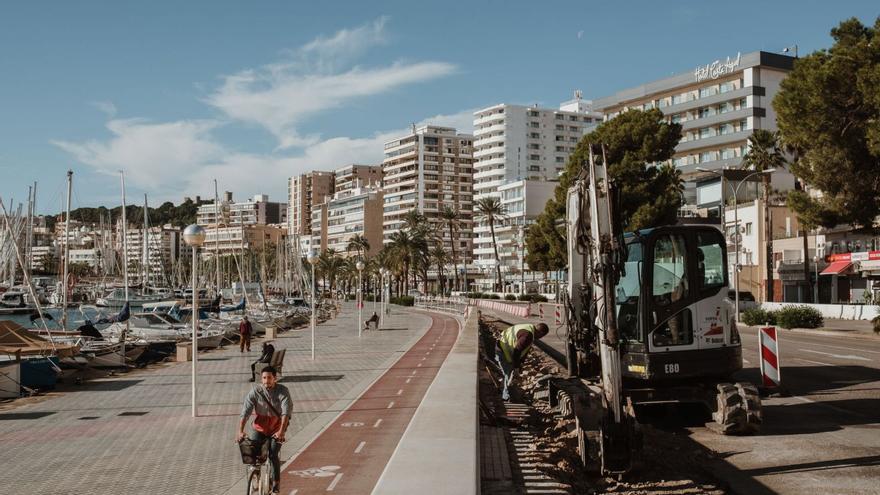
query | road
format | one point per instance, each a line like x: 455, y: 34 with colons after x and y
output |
x: 825, y: 436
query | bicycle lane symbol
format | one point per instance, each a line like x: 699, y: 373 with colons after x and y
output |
x: 316, y: 472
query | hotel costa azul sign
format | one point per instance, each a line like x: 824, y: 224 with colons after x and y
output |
x: 717, y: 68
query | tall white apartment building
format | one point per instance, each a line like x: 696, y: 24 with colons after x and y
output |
x: 427, y: 170
x: 515, y: 146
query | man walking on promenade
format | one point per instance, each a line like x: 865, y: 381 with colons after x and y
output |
x: 513, y: 344
x: 265, y: 358
x: 245, y: 330
x: 270, y: 403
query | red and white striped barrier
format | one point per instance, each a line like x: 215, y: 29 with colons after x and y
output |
x: 769, y: 357
x: 541, y: 310
x: 515, y: 309
x: 558, y: 314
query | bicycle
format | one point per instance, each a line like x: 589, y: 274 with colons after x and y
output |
x: 259, y: 480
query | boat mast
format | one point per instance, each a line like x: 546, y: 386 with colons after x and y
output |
x: 66, y: 253
x: 124, y: 258
x: 217, y: 234
x: 145, y: 276
x: 124, y: 240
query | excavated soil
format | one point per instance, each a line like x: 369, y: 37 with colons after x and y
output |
x: 670, y: 464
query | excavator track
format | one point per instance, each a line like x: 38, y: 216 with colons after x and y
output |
x: 738, y: 409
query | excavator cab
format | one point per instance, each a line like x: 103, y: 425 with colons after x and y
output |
x: 673, y: 315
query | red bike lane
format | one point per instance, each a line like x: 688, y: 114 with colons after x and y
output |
x: 350, y: 455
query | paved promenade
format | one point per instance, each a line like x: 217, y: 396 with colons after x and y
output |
x: 133, y: 434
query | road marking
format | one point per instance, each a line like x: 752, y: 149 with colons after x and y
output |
x: 294, y: 492
x: 422, y: 359
x: 746, y: 361
x: 353, y: 424
x: 413, y: 373
x: 360, y: 447
x: 839, y: 347
x: 408, y: 379
x: 419, y: 365
x: 838, y: 356
x: 399, y: 392
x: 813, y: 362
x: 377, y: 423
x: 390, y: 405
x: 333, y: 483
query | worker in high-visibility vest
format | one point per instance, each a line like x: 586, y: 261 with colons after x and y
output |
x: 513, y: 344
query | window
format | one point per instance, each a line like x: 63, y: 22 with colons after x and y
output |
x: 669, y: 283
x: 677, y: 330
x: 627, y: 294
x: 560, y: 127
x: 573, y: 128
x: 560, y: 116
x: 534, y: 135
x: 534, y: 124
x: 748, y: 228
x: 560, y: 159
x: 710, y: 260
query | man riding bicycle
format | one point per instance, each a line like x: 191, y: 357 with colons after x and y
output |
x: 270, y: 404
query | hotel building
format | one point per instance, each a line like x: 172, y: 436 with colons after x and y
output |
x: 719, y: 105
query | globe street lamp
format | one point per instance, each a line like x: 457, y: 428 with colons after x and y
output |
x: 360, y: 301
x: 194, y: 236
x: 312, y: 258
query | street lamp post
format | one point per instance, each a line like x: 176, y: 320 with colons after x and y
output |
x: 360, y: 301
x: 194, y: 236
x: 736, y: 233
x: 382, y: 272
x: 312, y: 258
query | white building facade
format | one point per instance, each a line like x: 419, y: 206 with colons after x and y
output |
x: 519, y: 152
x: 427, y: 170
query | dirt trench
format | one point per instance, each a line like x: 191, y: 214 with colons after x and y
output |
x: 670, y: 464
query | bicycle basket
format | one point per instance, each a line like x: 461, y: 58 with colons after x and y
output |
x: 254, y: 452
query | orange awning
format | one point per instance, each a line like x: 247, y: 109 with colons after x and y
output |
x: 837, y: 267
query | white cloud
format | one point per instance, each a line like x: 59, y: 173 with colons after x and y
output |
x: 280, y: 96
x: 176, y: 158
x: 152, y: 155
x: 107, y: 107
x: 170, y: 159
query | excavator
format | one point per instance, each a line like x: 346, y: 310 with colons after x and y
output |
x: 649, y: 322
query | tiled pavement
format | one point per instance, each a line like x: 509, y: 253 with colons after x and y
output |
x: 85, y: 446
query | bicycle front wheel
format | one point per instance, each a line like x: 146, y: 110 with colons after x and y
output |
x: 267, y: 480
x: 254, y: 483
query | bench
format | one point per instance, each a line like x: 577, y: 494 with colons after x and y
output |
x: 277, y: 360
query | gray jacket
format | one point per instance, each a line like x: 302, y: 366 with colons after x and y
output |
x: 256, y: 401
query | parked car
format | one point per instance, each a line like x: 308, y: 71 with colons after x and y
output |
x: 746, y: 299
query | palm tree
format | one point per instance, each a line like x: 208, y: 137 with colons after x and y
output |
x: 402, y: 247
x: 450, y: 217
x: 491, y: 210
x: 764, y: 154
x: 441, y: 258
x: 358, y: 243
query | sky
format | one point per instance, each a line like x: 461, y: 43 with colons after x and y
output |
x: 178, y: 94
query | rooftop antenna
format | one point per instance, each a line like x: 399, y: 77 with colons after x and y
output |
x: 578, y: 94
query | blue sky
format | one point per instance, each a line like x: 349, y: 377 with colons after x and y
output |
x: 179, y: 93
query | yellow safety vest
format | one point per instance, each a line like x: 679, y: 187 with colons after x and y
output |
x: 508, y: 340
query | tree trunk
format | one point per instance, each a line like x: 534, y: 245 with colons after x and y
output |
x: 497, y: 259
x: 768, y: 238
x: 454, y: 257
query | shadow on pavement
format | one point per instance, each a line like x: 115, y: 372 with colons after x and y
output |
x: 870, y: 460
x: 817, y: 417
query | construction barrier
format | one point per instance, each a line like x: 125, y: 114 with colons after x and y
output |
x: 769, y: 357
x: 541, y: 310
x: 523, y: 310
x: 558, y: 314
